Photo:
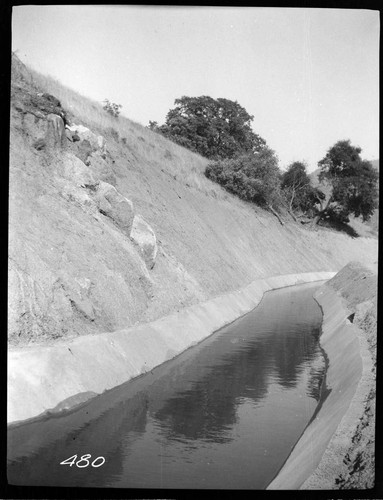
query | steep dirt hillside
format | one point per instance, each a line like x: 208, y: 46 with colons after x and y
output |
x: 111, y: 225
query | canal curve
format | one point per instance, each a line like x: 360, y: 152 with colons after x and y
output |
x: 223, y: 414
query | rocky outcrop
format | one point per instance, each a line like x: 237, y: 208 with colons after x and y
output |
x: 86, y: 145
x: 115, y: 206
x: 43, y: 118
x: 40, y: 104
x: 75, y: 171
x: 101, y: 166
x: 55, y: 136
x: 143, y: 235
x: 96, y: 142
x: 49, y: 104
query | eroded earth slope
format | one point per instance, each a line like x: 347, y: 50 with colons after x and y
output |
x: 103, y: 236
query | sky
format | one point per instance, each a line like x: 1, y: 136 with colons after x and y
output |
x: 310, y: 77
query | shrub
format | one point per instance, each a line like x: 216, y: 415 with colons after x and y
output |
x: 253, y: 177
x: 112, y: 108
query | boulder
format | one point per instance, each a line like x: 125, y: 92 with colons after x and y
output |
x: 44, y: 104
x: 55, y: 136
x: 97, y: 142
x: 52, y: 100
x: 101, y: 166
x: 78, y: 128
x: 83, y: 151
x: 68, y: 134
x: 74, y: 170
x: 112, y: 204
x: 34, y: 127
x: 78, y: 196
x: 143, y: 235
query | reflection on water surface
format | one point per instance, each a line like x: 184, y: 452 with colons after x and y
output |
x: 224, y: 414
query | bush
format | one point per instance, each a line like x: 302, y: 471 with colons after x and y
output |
x: 112, y: 108
x: 253, y: 177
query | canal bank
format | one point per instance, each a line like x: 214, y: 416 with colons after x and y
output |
x: 336, y: 449
x: 59, y: 376
x: 205, y: 419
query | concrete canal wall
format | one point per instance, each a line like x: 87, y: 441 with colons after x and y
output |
x: 42, y: 378
x: 319, y: 459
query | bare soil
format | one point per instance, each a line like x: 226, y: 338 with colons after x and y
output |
x: 73, y: 272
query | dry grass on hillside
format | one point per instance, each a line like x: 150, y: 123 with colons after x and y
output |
x: 183, y: 165
x: 186, y: 166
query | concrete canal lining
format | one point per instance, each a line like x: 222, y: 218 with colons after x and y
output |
x: 316, y: 457
x: 42, y: 377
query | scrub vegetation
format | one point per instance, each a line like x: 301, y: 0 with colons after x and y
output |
x: 74, y: 267
x: 180, y: 162
x: 112, y: 108
x: 220, y: 129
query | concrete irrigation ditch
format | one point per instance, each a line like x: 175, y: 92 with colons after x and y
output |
x: 59, y: 376
x: 42, y: 377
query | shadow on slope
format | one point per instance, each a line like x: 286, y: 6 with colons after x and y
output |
x: 341, y: 227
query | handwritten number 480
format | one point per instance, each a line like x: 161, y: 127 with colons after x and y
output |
x: 83, y: 461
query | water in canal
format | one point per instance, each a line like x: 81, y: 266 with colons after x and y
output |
x: 224, y: 414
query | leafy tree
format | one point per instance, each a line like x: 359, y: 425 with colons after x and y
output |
x: 352, y: 182
x: 253, y: 177
x: 297, y: 188
x: 214, y: 128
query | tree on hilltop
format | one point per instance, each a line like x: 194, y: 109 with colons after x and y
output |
x: 214, y: 128
x: 353, y: 184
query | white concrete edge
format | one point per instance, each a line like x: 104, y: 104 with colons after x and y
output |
x: 42, y: 377
x: 337, y: 448
x: 312, y: 462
